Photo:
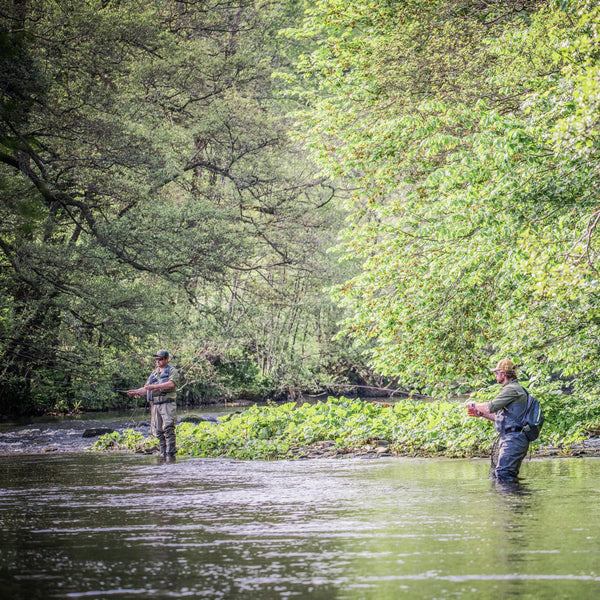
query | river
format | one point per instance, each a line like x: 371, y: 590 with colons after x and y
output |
x: 77, y: 524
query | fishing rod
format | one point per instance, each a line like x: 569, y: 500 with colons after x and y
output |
x: 381, y: 389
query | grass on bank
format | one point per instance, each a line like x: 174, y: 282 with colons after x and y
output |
x: 411, y: 428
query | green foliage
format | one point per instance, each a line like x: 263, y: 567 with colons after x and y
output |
x: 128, y: 440
x: 155, y: 193
x: 151, y: 196
x: 410, y: 427
x: 470, y: 135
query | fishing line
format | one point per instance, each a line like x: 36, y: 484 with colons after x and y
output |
x: 131, y: 421
x: 381, y: 389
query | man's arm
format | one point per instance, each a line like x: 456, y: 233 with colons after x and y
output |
x: 139, y: 392
x: 168, y: 385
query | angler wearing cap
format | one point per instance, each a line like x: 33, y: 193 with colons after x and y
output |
x: 160, y: 390
x: 507, y: 411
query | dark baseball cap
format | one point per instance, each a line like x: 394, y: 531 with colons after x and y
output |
x: 161, y: 354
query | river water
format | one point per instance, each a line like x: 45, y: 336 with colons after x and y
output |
x: 85, y: 525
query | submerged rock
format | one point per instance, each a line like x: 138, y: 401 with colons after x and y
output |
x: 195, y: 419
x: 96, y: 431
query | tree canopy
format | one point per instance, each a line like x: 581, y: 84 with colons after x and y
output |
x: 174, y: 173
x: 151, y: 192
x: 470, y: 130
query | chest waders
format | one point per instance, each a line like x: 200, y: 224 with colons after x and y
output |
x: 162, y: 411
x: 511, y: 446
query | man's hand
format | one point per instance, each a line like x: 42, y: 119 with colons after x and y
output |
x: 473, y: 409
x: 138, y: 392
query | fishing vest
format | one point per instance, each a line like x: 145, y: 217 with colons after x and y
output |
x: 511, y: 416
x: 161, y: 395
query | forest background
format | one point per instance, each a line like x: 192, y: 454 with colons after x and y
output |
x: 297, y: 196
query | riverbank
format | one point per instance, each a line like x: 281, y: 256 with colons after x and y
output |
x: 337, y: 428
x: 342, y: 427
x: 381, y: 448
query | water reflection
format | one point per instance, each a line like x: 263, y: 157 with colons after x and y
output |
x: 115, y: 526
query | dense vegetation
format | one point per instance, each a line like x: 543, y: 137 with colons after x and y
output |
x: 344, y: 426
x: 470, y: 131
x: 152, y: 197
x: 174, y: 173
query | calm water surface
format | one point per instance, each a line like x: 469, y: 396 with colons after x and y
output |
x: 80, y: 525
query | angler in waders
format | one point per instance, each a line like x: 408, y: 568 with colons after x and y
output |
x: 506, y: 411
x: 160, y: 390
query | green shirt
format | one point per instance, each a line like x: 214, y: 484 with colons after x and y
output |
x: 511, y: 391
